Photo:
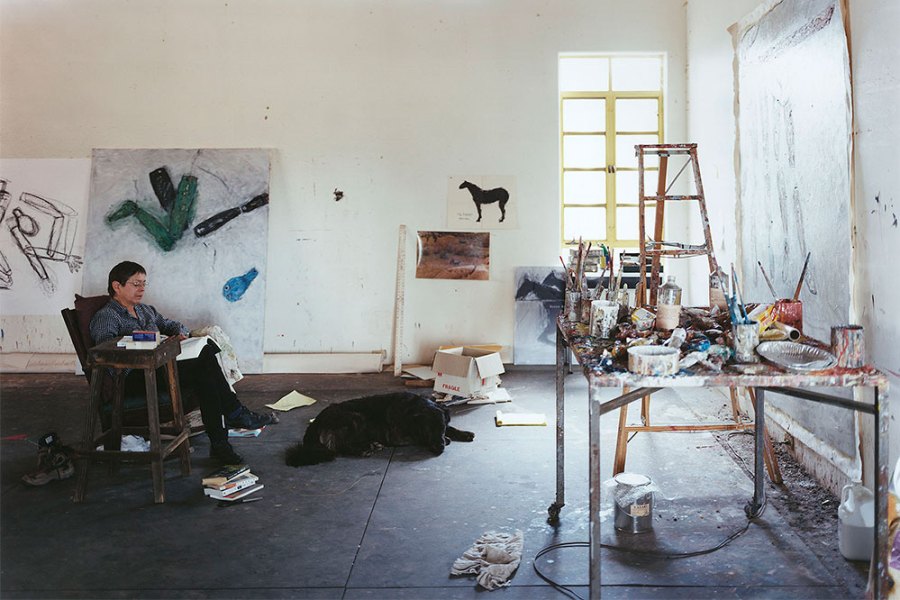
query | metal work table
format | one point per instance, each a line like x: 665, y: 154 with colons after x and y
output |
x: 588, y: 350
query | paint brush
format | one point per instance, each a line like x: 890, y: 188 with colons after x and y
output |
x: 769, y: 283
x: 738, y: 293
x: 802, y: 276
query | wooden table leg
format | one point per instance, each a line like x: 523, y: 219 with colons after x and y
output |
x: 156, y: 459
x: 184, y: 449
x: 621, y: 439
x: 87, y: 435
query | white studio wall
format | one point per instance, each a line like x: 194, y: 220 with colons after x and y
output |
x: 383, y: 102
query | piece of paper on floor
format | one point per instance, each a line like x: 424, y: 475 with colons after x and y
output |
x: 506, y: 419
x: 492, y: 397
x: 421, y: 372
x: 293, y: 400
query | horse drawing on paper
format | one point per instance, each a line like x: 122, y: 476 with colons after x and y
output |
x: 480, y: 196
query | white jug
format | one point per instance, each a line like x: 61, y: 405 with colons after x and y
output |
x: 856, y: 516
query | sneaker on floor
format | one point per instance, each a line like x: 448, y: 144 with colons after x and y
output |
x: 223, y: 452
x: 247, y: 419
x: 52, y: 466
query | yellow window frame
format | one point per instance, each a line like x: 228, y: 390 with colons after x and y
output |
x: 610, y: 133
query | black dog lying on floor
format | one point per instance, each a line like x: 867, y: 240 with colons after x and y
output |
x: 361, y: 426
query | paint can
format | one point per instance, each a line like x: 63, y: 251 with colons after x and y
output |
x: 633, y: 510
x: 653, y: 360
x: 789, y: 312
x: 746, y: 339
x: 573, y: 299
x: 848, y: 345
x: 604, y: 315
x: 585, y: 309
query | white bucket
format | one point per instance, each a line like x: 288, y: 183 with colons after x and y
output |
x: 856, y: 522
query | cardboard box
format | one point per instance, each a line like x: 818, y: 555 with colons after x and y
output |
x: 466, y: 370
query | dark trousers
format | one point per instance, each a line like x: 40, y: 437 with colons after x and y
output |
x: 203, y: 385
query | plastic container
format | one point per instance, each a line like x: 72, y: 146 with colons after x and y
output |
x: 718, y: 289
x: 856, y: 522
x: 668, y: 308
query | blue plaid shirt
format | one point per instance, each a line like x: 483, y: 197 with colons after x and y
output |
x: 114, y: 321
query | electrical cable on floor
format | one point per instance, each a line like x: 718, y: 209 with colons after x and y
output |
x: 664, y: 555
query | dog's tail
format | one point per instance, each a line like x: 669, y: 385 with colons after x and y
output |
x: 301, y: 454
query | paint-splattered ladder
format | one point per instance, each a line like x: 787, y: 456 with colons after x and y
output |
x: 655, y: 247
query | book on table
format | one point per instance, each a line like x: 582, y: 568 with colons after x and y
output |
x: 243, y: 493
x: 224, y: 474
x: 235, y: 485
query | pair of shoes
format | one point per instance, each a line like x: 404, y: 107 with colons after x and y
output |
x: 53, y: 464
x: 223, y: 452
x: 247, y: 419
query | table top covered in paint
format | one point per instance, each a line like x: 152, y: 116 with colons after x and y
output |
x: 589, y: 351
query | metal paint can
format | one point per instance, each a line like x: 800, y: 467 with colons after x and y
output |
x: 789, y: 312
x: 604, y: 314
x: 573, y: 301
x: 746, y: 339
x: 848, y: 345
x: 633, y: 503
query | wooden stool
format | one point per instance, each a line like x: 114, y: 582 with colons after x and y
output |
x: 741, y: 423
x: 109, y: 356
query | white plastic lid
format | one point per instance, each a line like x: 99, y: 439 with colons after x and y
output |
x: 632, y: 479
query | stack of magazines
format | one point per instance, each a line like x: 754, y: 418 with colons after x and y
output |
x: 231, y: 483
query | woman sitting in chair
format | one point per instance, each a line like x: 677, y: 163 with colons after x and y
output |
x: 124, y: 313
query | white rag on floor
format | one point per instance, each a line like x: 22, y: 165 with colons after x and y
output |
x: 494, y: 557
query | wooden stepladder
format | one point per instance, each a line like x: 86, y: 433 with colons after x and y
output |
x: 656, y: 248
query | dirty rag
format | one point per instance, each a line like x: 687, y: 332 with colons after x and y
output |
x: 494, y: 557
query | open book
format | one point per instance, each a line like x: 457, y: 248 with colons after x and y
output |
x: 191, y: 347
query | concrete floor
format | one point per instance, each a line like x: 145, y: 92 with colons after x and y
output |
x: 389, y: 526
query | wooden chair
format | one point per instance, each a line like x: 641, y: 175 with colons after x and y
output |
x: 125, y: 414
x: 740, y: 423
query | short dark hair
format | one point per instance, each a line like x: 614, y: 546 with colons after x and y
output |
x: 122, y: 272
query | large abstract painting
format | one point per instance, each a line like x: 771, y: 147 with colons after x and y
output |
x: 794, y: 136
x: 42, y: 206
x: 197, y: 220
x: 539, y: 299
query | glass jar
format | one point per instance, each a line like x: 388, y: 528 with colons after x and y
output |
x: 668, y: 308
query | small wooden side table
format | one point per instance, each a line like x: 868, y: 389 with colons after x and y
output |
x: 109, y: 356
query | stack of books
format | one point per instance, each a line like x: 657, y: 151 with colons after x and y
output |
x: 231, y: 483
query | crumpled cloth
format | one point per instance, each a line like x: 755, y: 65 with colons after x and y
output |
x: 494, y: 557
x: 227, y: 357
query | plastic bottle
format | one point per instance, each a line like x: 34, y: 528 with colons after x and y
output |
x: 718, y: 288
x: 668, y: 307
x: 856, y: 518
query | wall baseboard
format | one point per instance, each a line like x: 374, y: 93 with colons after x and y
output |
x: 347, y: 362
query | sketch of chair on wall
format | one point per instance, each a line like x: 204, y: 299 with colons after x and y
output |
x: 44, y: 231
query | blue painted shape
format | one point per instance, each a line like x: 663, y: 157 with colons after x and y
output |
x: 234, y: 288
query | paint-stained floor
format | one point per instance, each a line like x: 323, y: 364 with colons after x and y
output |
x: 390, y: 526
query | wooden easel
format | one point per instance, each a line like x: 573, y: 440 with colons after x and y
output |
x: 741, y: 422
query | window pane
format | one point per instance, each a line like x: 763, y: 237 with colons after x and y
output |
x: 584, y: 187
x: 627, y: 185
x: 627, y: 222
x: 583, y: 74
x: 587, y: 223
x: 584, y: 115
x: 584, y: 151
x: 637, y: 73
x: 627, y: 226
x: 637, y: 115
x: 625, y: 150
